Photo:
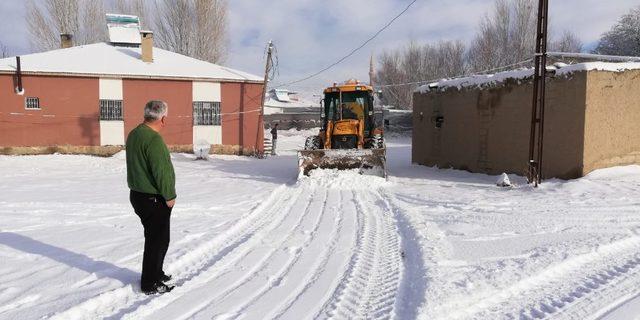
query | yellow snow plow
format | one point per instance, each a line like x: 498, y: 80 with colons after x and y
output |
x: 350, y: 137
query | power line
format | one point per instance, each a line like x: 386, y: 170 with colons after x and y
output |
x: 96, y: 116
x: 353, y: 51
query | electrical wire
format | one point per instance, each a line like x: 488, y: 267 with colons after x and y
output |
x: 20, y: 114
x: 50, y: 116
x: 353, y: 51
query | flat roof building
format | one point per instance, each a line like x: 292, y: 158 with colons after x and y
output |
x: 482, y: 123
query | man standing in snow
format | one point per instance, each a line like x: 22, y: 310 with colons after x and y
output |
x: 274, y: 139
x: 151, y: 178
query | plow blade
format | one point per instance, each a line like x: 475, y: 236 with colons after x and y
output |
x: 368, y: 161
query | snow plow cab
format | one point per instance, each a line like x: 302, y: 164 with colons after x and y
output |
x: 350, y: 137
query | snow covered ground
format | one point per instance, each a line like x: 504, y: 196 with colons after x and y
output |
x: 249, y: 241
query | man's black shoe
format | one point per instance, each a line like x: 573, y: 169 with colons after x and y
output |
x: 165, y: 277
x: 158, y: 288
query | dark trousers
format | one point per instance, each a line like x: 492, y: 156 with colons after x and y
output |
x: 155, y: 217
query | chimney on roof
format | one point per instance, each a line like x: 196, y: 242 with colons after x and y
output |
x: 66, y: 40
x: 147, y: 46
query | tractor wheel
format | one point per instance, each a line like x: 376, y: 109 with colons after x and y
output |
x: 313, y: 143
x: 377, y: 142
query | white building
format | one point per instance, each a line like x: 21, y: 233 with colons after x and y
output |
x: 282, y: 101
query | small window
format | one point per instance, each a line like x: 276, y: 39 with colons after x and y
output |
x: 206, y: 113
x: 32, y: 103
x: 110, y: 110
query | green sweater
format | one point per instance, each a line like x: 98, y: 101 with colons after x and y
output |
x: 149, y: 168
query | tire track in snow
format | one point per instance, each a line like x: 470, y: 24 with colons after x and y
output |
x: 611, y: 286
x: 262, y: 298
x: 576, y: 288
x: 302, y: 301
x: 128, y: 298
x: 320, y: 260
x: 413, y: 284
x: 369, y: 286
x: 626, y: 302
x: 200, y: 304
x: 370, y: 266
x: 227, y: 263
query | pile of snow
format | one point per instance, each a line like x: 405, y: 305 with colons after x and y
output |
x: 503, y: 181
x: 344, y: 179
x: 201, y: 150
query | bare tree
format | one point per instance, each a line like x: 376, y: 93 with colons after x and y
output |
x: 47, y: 19
x: 211, y: 40
x: 390, y: 72
x: 399, y: 69
x: 505, y: 37
x: 4, y: 51
x: 413, y: 63
x: 134, y: 7
x: 568, y: 42
x: 444, y: 60
x: 92, y: 22
x: 624, y: 37
x: 197, y: 28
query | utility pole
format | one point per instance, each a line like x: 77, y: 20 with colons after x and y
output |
x: 267, y: 70
x: 372, y: 73
x: 536, y: 139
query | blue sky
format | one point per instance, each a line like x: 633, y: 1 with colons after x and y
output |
x: 311, y: 34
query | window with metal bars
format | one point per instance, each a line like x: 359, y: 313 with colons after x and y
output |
x: 110, y: 110
x: 206, y: 113
x: 32, y: 103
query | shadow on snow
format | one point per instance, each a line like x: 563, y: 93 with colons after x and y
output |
x: 101, y: 269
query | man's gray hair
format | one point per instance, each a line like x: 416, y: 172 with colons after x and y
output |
x: 155, y: 110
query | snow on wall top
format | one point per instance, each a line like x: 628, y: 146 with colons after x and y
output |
x: 521, y: 74
x: 105, y: 59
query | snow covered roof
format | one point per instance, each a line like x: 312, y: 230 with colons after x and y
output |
x: 102, y: 59
x: 275, y: 99
x: 521, y: 74
x: 281, y: 95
